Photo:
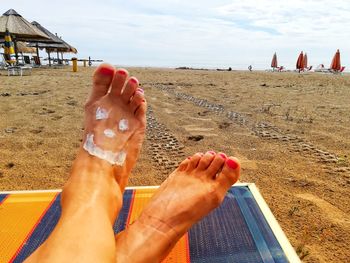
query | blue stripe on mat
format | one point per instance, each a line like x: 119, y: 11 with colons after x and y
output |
x: 252, y: 225
x: 237, y: 231
x: 2, y: 197
x: 270, y: 239
x: 42, y: 231
x: 120, y: 223
x: 223, y: 237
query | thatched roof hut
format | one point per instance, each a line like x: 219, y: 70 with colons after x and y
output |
x: 20, y: 28
x: 59, y: 46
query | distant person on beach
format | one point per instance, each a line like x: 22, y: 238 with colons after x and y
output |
x: 250, y: 68
x: 115, y: 123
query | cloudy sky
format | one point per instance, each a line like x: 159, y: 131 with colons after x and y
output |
x: 199, y: 33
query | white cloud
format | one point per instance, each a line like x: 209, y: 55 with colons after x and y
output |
x: 200, y: 33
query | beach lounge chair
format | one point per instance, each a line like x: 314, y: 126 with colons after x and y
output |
x: 16, y: 70
x: 26, y: 60
x: 57, y: 63
x: 321, y: 68
x: 19, y: 71
x: 2, y: 62
x: 242, y: 229
x: 280, y: 69
x: 36, y: 62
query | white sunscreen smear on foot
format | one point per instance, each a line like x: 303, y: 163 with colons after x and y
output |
x: 117, y: 158
x: 123, y: 125
x: 109, y: 133
x: 101, y: 114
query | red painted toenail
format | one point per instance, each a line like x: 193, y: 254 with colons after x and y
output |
x: 212, y: 152
x: 232, y: 164
x: 223, y: 156
x: 134, y: 80
x: 122, y: 72
x: 107, y: 71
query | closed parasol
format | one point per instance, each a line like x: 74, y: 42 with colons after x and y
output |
x: 300, y: 61
x: 274, y: 61
x: 305, y: 60
x: 9, y: 49
x: 336, y: 65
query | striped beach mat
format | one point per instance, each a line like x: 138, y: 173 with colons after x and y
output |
x: 242, y: 229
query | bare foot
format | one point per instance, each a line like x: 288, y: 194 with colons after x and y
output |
x: 115, y: 115
x: 92, y: 196
x: 194, y: 189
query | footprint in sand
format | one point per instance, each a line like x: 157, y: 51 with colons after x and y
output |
x: 203, y: 131
x: 46, y: 111
x: 10, y: 129
x: 72, y: 103
x: 58, y: 117
x: 333, y: 213
x: 224, y: 125
x: 203, y: 113
x: 195, y: 138
x: 37, y: 130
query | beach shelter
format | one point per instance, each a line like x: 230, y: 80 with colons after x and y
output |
x: 336, y: 65
x: 305, y: 61
x: 300, y: 62
x: 274, y: 61
x: 20, y: 29
x: 58, y: 44
x: 9, y: 50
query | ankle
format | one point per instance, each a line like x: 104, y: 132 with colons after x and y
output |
x: 157, y: 226
x: 136, y: 243
x: 86, y: 162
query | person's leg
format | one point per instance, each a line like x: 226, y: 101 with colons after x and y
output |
x: 92, y: 196
x: 193, y: 190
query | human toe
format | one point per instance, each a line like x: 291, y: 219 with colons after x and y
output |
x: 183, y: 164
x: 230, y: 172
x: 130, y: 88
x: 206, y: 160
x: 216, y: 165
x: 102, y: 80
x: 194, y: 160
x: 118, y: 82
x: 137, y: 99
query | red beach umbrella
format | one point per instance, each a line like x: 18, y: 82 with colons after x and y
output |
x: 336, y: 65
x: 274, y: 61
x: 300, y: 61
x: 305, y: 60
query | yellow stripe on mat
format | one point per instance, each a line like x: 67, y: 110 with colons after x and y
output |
x: 179, y: 253
x: 19, y: 214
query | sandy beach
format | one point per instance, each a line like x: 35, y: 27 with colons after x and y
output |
x: 291, y: 132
